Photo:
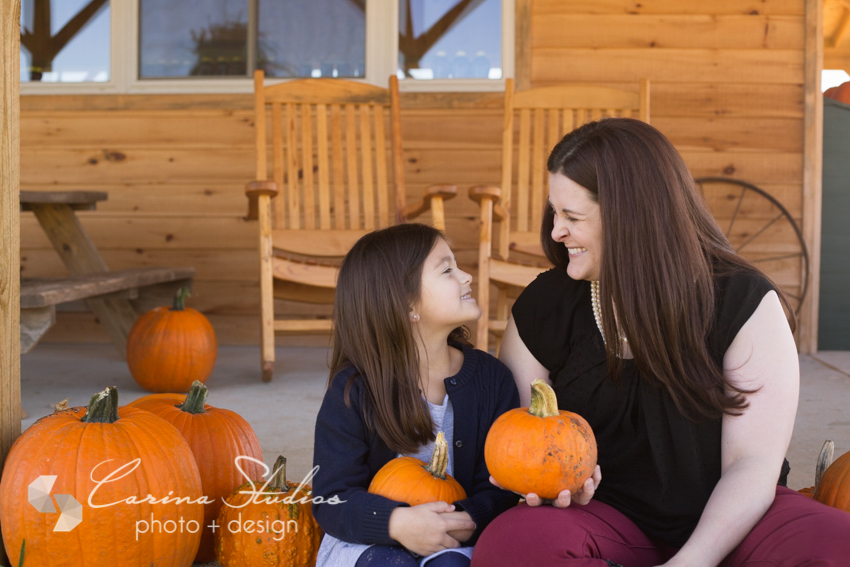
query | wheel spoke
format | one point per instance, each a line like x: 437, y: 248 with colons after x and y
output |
x: 735, y: 214
x: 756, y: 235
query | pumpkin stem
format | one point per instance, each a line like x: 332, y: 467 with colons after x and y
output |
x: 827, y: 453
x: 195, y: 399
x: 544, y: 403
x: 279, y: 478
x: 440, y: 458
x: 103, y: 407
x: 180, y: 299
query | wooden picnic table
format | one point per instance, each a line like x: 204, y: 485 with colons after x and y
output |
x: 113, y: 296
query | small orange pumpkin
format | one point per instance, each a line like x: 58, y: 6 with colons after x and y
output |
x: 540, y: 449
x: 216, y: 436
x: 407, y: 479
x: 168, y: 348
x: 66, y: 453
x: 275, y: 528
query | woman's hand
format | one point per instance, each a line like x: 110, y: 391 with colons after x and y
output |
x: 424, y: 529
x: 564, y: 499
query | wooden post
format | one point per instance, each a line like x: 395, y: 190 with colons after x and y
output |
x: 812, y: 171
x: 10, y: 231
x: 522, y: 45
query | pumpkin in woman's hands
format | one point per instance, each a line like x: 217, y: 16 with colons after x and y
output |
x: 216, y: 436
x: 102, y: 456
x: 540, y: 449
x: 274, y: 528
x: 407, y: 479
x: 168, y: 348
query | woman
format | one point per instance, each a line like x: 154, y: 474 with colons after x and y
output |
x: 680, y: 356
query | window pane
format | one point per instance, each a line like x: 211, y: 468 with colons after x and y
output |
x: 193, y: 38
x: 312, y: 38
x: 450, y: 39
x: 65, y: 41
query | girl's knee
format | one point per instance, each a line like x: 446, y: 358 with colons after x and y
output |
x: 450, y: 559
x: 386, y: 556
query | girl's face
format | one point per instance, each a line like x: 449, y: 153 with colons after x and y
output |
x: 578, y: 226
x: 446, y: 300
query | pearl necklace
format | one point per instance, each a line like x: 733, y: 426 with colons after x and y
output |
x: 597, y: 310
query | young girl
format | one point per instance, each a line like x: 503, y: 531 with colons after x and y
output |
x: 402, y: 370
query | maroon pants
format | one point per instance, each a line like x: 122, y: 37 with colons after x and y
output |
x: 795, y: 531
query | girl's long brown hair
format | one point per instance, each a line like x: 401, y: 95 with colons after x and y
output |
x: 661, y: 252
x: 379, y: 281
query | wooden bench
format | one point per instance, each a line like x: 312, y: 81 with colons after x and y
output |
x: 144, y: 289
x: 115, y: 297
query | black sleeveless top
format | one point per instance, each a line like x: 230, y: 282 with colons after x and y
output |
x: 658, y: 468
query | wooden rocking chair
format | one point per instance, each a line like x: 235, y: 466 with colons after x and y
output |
x: 337, y: 173
x: 546, y: 115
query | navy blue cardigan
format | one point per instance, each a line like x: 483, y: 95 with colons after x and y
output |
x: 349, y: 455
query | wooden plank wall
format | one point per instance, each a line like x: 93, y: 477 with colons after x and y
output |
x: 727, y: 88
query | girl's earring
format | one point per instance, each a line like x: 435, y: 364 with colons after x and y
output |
x: 415, y: 317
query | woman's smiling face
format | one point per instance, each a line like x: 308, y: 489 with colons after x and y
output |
x: 578, y: 226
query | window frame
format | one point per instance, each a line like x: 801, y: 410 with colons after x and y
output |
x: 381, y: 60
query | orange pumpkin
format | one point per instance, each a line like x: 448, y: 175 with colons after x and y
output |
x: 834, y: 486
x: 823, y: 462
x: 168, y: 348
x: 60, y: 454
x: 216, y: 436
x: 407, y: 479
x: 841, y: 93
x: 540, y: 449
x: 275, y: 528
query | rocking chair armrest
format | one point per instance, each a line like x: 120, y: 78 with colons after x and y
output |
x: 253, y: 190
x: 479, y: 192
x: 444, y: 192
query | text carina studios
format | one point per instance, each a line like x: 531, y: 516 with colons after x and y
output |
x: 299, y: 496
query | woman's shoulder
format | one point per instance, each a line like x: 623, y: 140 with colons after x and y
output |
x: 738, y: 293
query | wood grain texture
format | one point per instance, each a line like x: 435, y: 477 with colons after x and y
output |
x: 812, y: 170
x: 10, y: 338
x: 782, y: 66
x: 718, y: 7
x: 698, y: 31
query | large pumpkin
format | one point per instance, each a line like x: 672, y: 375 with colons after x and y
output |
x: 276, y: 528
x: 834, y: 486
x: 216, y: 436
x: 540, y: 449
x: 50, y: 469
x: 168, y: 348
x: 407, y: 479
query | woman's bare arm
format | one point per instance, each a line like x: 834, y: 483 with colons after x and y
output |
x: 522, y: 363
x: 763, y: 356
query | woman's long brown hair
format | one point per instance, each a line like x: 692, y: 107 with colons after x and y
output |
x: 379, y: 281
x: 661, y: 252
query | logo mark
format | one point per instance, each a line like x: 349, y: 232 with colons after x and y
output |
x: 38, y: 494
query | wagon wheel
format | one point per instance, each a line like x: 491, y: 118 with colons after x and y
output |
x: 761, y: 230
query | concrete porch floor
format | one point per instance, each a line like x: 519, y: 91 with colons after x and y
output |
x: 283, y: 412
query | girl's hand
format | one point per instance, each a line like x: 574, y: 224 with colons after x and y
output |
x: 460, y: 535
x: 424, y: 529
x: 564, y: 499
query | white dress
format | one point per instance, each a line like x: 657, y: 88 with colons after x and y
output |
x: 337, y: 553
